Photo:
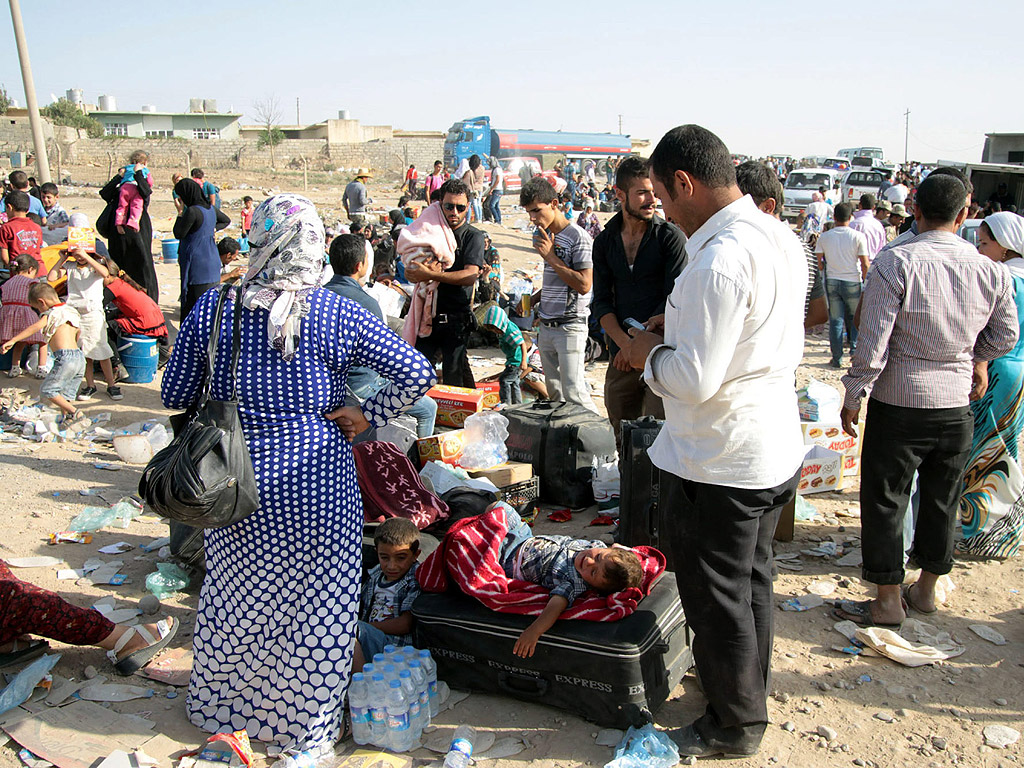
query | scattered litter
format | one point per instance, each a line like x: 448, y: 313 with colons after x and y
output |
x: 25, y: 682
x: 560, y: 516
x: 155, y: 544
x: 822, y: 588
x: 506, y: 747
x: 107, y: 608
x: 852, y: 559
x: 166, y: 580
x: 608, y: 737
x: 802, y: 603
x: 107, y: 466
x: 94, y: 518
x: 107, y: 573
x: 847, y: 629
x: 805, y: 510
x: 32, y: 761
x: 116, y: 549
x: 864, y: 678
x: 39, y: 561
x: 1000, y: 736
x: 114, y: 692
x: 70, y: 537
x: 172, y: 667
x: 825, y: 549
x: 63, y: 690
x: 907, y: 652
x: 987, y: 633
x: 645, y: 747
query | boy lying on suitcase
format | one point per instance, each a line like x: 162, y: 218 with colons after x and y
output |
x: 385, y: 611
x: 566, y: 566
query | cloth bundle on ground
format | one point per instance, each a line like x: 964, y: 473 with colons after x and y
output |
x: 469, y: 557
x: 429, y: 237
x: 391, y: 486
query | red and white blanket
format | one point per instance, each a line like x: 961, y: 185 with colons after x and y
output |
x: 469, y: 557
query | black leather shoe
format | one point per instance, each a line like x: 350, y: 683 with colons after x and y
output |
x: 691, y: 743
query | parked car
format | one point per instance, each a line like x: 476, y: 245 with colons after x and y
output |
x: 512, y: 165
x: 836, y: 163
x: 804, y: 182
x: 858, y: 182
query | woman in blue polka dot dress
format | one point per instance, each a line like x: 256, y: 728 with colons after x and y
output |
x: 277, y: 612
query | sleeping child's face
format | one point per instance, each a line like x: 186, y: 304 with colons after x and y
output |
x: 591, y: 564
x: 396, y: 559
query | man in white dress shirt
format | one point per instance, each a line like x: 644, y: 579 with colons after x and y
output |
x: 731, y: 449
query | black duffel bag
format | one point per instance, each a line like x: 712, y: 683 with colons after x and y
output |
x: 204, y: 478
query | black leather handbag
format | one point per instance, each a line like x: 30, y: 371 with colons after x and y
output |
x: 204, y: 478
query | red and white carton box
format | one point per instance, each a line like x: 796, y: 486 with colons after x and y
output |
x: 822, y: 470
x: 829, y: 434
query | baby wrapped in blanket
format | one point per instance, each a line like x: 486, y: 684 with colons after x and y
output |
x: 427, y: 241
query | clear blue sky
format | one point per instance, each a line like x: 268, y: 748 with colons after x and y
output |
x: 798, y: 78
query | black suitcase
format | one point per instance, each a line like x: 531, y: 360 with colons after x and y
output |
x: 615, y: 674
x: 560, y: 440
x: 640, y: 509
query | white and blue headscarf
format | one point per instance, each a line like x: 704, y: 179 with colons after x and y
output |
x: 286, y: 263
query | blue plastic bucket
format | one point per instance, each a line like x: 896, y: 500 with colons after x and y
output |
x: 140, y: 356
x: 169, y: 248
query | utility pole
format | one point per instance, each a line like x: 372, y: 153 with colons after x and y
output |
x: 42, y: 164
x: 297, y: 111
x: 906, y: 136
x: 620, y: 124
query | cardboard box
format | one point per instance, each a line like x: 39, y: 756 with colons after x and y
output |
x: 822, y: 470
x: 454, y: 404
x: 82, y: 237
x: 492, y: 396
x: 829, y: 434
x: 444, y: 446
x: 505, y: 474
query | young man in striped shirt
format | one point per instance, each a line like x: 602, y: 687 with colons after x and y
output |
x: 932, y: 308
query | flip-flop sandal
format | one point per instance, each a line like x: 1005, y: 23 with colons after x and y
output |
x: 135, y: 661
x: 909, y: 601
x: 30, y: 651
x: 859, y: 613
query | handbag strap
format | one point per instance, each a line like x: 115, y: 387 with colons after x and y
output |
x: 211, y: 353
x: 236, y: 340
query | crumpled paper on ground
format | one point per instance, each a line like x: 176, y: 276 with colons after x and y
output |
x: 916, y: 645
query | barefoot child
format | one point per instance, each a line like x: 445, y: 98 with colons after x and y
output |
x: 566, y: 566
x: 60, y: 326
x: 16, y: 315
x: 85, y: 294
x: 385, y: 611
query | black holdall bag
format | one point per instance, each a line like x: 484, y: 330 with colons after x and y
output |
x: 560, y: 440
x: 204, y: 478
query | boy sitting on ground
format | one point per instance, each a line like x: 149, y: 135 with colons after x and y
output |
x: 566, y: 566
x: 385, y: 611
x: 60, y: 325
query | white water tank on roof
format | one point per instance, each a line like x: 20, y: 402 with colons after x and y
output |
x: 107, y: 104
x: 209, y: 105
x: 147, y: 108
x: 343, y: 114
x: 76, y: 96
x: 195, y: 105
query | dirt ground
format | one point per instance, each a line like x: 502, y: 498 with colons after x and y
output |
x: 933, y: 715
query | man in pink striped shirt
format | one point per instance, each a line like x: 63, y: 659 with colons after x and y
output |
x: 864, y: 221
x: 932, y: 308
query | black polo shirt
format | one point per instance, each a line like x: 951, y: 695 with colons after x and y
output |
x: 469, y: 250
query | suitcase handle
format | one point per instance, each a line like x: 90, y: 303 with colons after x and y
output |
x: 522, y: 685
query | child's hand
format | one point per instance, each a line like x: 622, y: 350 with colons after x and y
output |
x: 526, y: 644
x: 120, y: 229
x: 6, y: 347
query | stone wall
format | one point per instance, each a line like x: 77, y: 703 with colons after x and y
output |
x: 382, y: 157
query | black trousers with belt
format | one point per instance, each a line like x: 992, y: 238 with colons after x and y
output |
x: 449, y: 335
x: 721, y: 540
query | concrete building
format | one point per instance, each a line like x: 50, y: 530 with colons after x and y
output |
x: 161, y: 125
x: 341, y: 131
x: 1003, y: 148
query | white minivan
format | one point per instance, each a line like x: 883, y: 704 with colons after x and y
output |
x: 804, y: 182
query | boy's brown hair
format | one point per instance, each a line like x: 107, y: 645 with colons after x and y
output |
x: 622, y: 569
x: 397, y: 532
x: 39, y: 291
x: 139, y: 156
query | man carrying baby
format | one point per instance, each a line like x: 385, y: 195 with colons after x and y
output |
x: 453, y: 317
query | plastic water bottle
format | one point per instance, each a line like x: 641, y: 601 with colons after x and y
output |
x: 389, y: 651
x: 399, y: 732
x: 379, y: 660
x: 419, y: 681
x: 359, y: 709
x: 430, y: 671
x: 412, y: 700
x: 378, y: 711
x: 390, y: 672
x: 461, y: 747
x: 368, y: 670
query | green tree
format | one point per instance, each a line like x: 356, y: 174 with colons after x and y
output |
x: 5, y: 100
x: 64, y: 112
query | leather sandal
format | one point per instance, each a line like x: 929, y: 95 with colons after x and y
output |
x: 136, y: 660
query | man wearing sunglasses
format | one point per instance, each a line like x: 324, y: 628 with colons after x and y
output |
x: 453, y: 317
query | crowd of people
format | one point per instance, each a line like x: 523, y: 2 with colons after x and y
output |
x: 703, y: 314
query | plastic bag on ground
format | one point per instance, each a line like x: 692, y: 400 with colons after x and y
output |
x: 645, y: 748
x: 166, y: 580
x: 21, y: 687
x: 94, y: 518
x: 819, y: 402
